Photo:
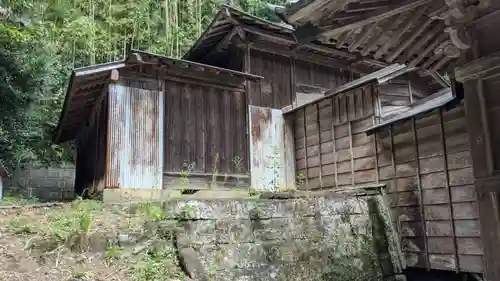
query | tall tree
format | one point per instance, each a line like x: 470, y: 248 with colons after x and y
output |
x: 41, y: 40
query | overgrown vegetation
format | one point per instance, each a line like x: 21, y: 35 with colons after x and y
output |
x: 136, y: 244
x: 41, y: 40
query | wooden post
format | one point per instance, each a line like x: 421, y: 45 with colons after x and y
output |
x: 318, y: 131
x: 420, y: 192
x: 448, y: 189
x: 333, y: 145
x: 305, y: 150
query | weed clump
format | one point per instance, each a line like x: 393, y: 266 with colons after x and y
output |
x: 159, y: 263
x: 21, y: 225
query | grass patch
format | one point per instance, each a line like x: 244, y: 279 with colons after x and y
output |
x: 19, y: 201
x: 159, y: 263
x: 20, y: 225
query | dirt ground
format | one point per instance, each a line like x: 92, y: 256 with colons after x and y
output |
x: 85, y: 240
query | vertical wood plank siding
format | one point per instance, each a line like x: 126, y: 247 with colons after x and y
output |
x: 91, y: 154
x: 276, y: 89
x: 202, y: 122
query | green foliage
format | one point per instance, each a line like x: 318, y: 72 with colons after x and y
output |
x: 252, y: 191
x: 187, y: 212
x: 21, y: 225
x: 113, y: 252
x: 41, y: 40
x: 152, y: 211
x: 186, y: 171
x: 158, y: 264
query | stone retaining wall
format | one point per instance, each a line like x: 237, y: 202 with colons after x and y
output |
x: 331, y: 237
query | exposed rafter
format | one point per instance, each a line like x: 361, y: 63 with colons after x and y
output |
x: 372, y: 17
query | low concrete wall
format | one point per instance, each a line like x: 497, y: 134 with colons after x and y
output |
x: 46, y: 184
x: 328, y: 237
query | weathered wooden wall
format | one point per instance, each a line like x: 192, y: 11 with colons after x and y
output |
x: 91, y: 153
x: 282, y: 74
x: 309, y: 73
x: 205, y: 126
x: 275, y: 89
x: 481, y: 80
x: 426, y: 164
x: 330, y: 146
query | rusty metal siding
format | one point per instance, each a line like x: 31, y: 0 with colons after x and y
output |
x: 265, y: 148
x: 136, y: 138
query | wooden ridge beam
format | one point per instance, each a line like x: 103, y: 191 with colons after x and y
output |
x: 222, y: 44
x: 286, y: 40
x: 307, y: 56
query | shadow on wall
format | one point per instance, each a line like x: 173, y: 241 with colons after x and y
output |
x: 44, y: 184
x: 421, y: 274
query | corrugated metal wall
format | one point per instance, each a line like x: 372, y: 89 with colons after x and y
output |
x: 135, y: 157
x: 205, y: 127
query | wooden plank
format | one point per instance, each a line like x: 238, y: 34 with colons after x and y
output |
x: 461, y: 177
x: 447, y: 187
x: 288, y: 154
x: 441, y: 245
x: 405, y: 44
x: 475, y: 68
x: 419, y: 186
x: 319, y: 154
x: 467, y: 228
x: 441, y: 261
x: 470, y: 246
x: 471, y: 263
x: 464, y: 193
x: 334, y: 149
x: 434, y: 180
x: 397, y: 35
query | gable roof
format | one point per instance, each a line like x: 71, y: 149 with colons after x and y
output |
x: 230, y: 19
x: 88, y: 85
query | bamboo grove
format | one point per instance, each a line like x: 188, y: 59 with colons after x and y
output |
x: 42, y: 40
